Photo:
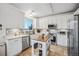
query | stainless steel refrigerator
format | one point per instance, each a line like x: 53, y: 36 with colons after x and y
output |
x: 73, y: 37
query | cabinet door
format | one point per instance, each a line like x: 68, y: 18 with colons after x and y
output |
x: 43, y: 23
x: 11, y: 47
x: 19, y: 45
x: 14, y: 46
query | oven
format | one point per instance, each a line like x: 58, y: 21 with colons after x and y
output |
x: 62, y: 37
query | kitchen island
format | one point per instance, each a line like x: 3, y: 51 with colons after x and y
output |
x: 40, y: 45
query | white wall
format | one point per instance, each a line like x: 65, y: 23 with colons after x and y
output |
x: 60, y: 20
x: 10, y: 17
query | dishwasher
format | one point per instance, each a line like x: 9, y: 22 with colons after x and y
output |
x: 25, y: 42
x: 2, y: 49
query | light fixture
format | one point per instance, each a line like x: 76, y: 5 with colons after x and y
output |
x: 30, y: 13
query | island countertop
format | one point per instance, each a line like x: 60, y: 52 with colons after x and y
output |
x: 40, y: 38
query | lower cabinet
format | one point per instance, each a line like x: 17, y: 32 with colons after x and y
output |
x: 14, y: 46
x: 39, y: 48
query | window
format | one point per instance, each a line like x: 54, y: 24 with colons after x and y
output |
x: 28, y: 24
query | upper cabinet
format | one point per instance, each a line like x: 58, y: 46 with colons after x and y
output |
x: 43, y: 23
x: 35, y: 23
x: 61, y: 20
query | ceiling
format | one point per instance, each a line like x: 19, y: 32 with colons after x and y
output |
x: 46, y: 9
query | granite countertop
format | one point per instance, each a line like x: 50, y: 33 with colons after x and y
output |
x: 17, y: 36
x: 39, y: 37
x: 4, y: 39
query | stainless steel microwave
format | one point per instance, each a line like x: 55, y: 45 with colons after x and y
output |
x: 52, y: 26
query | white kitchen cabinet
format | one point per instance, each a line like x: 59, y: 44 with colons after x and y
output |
x: 14, y: 46
x: 62, y: 20
x: 39, y: 48
x: 43, y: 23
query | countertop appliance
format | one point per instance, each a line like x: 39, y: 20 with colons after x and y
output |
x: 2, y: 49
x: 25, y: 42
